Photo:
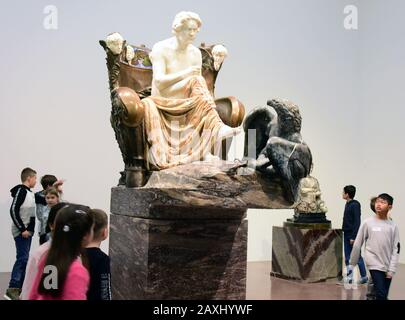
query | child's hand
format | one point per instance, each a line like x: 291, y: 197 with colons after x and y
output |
x: 389, y: 275
x: 26, y: 234
x: 58, y: 185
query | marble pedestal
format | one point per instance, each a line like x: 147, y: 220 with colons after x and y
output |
x: 307, y: 255
x: 163, y: 247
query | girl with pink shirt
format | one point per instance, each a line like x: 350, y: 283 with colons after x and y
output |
x: 73, y: 231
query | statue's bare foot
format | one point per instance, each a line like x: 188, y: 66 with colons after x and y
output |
x: 210, y: 157
x: 227, y: 132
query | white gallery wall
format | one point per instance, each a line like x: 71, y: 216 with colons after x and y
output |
x: 54, y: 99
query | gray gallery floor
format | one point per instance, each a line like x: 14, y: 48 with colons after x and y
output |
x: 261, y: 286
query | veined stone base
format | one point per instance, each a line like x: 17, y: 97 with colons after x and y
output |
x: 307, y: 255
x: 199, y: 253
x: 184, y: 234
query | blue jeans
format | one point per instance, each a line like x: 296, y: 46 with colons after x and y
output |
x: 23, y: 246
x: 348, y: 250
x: 381, y: 284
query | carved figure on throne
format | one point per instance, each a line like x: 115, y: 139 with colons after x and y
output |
x: 181, y: 102
x: 163, y: 108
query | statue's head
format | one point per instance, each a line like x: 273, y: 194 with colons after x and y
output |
x: 115, y: 42
x: 219, y: 53
x: 130, y: 53
x: 185, y: 26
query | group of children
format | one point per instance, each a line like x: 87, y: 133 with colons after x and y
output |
x: 380, y: 237
x: 68, y: 264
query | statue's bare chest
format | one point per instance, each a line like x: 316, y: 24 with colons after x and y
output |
x: 176, y: 62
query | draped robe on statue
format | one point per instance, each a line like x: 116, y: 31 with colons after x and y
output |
x: 180, y: 131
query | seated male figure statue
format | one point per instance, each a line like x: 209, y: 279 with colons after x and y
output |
x: 181, y: 121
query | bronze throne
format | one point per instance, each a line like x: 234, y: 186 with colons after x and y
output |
x: 130, y: 78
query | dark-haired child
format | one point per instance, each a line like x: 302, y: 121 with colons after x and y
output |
x: 66, y: 260
x: 52, y: 197
x: 99, y: 262
x: 47, y: 181
x: 350, y: 226
x: 36, y: 255
x: 22, y: 212
x: 382, y: 247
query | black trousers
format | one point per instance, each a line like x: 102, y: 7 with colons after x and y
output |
x: 381, y: 284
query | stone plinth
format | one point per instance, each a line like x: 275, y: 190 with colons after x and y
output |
x: 178, y: 259
x: 184, y: 234
x: 307, y: 255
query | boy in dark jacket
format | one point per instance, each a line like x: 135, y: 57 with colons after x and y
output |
x: 22, y: 212
x: 351, y: 225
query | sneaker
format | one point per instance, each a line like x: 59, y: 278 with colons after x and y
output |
x: 363, y: 280
x: 12, y: 294
x: 371, y: 296
x: 349, y: 277
x: 346, y: 280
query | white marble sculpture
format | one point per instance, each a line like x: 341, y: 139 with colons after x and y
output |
x: 130, y: 54
x: 178, y: 88
x: 176, y: 60
x: 181, y: 122
x: 219, y: 53
x: 115, y: 42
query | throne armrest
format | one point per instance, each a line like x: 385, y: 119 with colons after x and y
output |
x: 231, y: 111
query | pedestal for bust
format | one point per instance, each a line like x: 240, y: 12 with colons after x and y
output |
x: 306, y: 252
x: 308, y: 221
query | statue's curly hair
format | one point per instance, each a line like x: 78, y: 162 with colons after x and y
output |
x: 181, y: 18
